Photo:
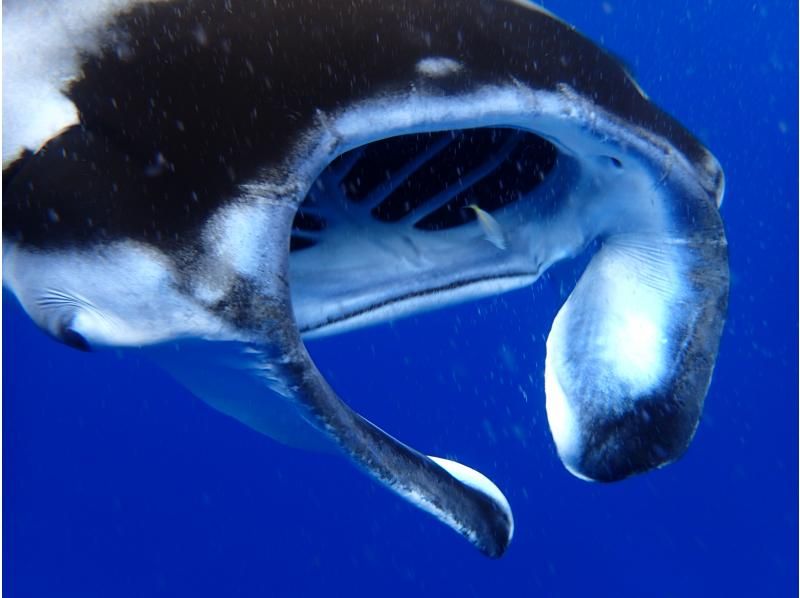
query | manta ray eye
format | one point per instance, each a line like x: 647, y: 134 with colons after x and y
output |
x: 73, y: 339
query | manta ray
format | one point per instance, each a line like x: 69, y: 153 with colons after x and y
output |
x: 210, y: 182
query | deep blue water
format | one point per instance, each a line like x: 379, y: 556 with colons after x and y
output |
x: 118, y: 483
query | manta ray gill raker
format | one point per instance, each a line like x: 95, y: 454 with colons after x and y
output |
x: 208, y: 181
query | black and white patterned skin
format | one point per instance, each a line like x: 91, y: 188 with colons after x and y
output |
x: 206, y: 181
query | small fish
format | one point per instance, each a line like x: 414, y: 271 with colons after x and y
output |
x: 491, y: 227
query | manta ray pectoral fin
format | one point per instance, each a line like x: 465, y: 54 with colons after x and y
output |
x: 631, y: 353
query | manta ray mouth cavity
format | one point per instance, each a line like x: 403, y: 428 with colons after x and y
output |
x: 425, y: 180
x: 385, y: 229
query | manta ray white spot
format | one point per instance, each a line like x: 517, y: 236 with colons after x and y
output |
x: 638, y: 343
x: 236, y: 235
x: 438, y: 66
x: 42, y: 46
x: 634, y: 339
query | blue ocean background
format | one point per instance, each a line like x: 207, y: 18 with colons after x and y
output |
x: 117, y: 482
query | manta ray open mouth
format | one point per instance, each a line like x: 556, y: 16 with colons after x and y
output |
x: 205, y: 181
x: 386, y: 228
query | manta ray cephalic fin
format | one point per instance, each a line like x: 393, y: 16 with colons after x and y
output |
x: 458, y: 496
